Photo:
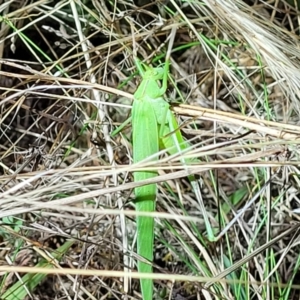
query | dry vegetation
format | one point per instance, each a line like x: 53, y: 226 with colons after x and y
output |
x: 67, y: 80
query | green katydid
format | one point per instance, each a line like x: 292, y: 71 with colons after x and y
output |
x: 153, y: 127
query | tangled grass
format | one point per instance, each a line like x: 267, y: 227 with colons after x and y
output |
x: 66, y: 204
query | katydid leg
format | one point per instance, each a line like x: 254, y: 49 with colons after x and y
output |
x: 175, y: 144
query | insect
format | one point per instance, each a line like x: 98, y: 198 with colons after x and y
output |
x: 149, y: 117
x: 154, y: 127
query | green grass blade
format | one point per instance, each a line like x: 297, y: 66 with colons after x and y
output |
x: 18, y: 290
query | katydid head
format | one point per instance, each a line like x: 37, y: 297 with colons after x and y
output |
x: 149, y: 72
x: 158, y: 73
x: 154, y: 73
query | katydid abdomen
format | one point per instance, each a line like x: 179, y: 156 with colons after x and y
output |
x: 145, y: 144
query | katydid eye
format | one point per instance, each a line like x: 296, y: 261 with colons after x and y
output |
x: 158, y: 72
